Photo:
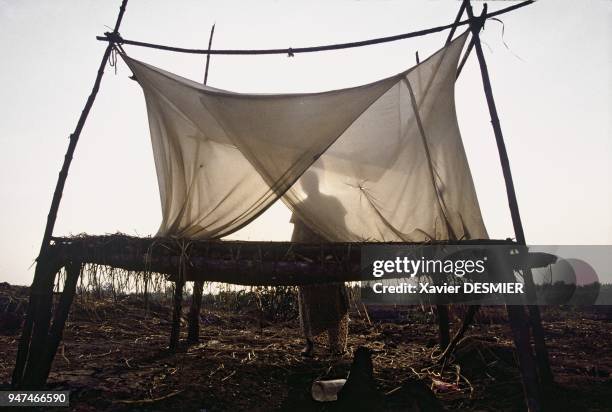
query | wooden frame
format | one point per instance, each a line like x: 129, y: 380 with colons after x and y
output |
x: 39, y: 339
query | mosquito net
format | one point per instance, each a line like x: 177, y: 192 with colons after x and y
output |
x: 378, y: 162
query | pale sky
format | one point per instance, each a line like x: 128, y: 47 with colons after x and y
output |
x: 552, y: 86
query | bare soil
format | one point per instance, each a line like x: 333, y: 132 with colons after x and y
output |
x: 114, y: 357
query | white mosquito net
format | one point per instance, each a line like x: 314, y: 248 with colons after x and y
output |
x: 379, y: 162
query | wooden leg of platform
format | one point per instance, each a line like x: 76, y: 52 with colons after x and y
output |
x: 176, y: 314
x: 73, y: 270
x: 443, y: 320
x: 41, y: 318
x: 146, y: 293
x: 520, y: 332
x: 519, y: 325
x: 535, y: 321
x: 541, y: 351
x: 443, y: 325
x: 26, y: 332
x: 467, y: 321
x: 544, y: 370
x: 193, y: 335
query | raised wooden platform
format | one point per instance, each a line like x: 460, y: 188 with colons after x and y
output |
x: 238, y: 262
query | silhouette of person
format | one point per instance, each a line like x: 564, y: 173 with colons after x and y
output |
x: 323, y: 308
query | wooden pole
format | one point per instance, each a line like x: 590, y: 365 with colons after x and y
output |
x: 499, y: 138
x: 176, y: 314
x: 301, y: 266
x: 529, y: 374
x: 42, y: 295
x: 457, y: 19
x: 146, y: 278
x: 534, y: 312
x: 193, y: 320
x: 74, y: 139
x: 73, y: 270
x: 193, y: 331
x: 535, y: 321
x: 295, y: 50
x: 467, y: 321
x: 39, y: 273
x: 465, y: 56
x: 443, y: 326
x: 210, y: 39
x: 26, y: 332
x: 501, y: 272
x: 515, y: 314
x: 442, y: 310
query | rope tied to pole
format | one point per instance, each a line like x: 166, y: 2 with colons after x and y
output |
x: 112, y: 59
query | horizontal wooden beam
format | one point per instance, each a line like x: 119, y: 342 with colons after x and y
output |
x: 243, y: 263
x: 115, y: 38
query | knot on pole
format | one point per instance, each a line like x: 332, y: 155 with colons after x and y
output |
x: 290, y: 52
x: 114, y: 37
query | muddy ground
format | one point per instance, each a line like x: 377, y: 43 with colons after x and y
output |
x: 114, y: 357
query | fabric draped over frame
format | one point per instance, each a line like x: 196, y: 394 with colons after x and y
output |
x: 378, y: 162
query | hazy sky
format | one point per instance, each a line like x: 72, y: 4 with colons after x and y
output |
x: 552, y: 86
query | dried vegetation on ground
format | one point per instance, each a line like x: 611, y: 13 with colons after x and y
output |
x: 114, y: 355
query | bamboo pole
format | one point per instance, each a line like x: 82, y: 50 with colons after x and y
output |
x: 39, y: 273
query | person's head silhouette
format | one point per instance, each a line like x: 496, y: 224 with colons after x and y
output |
x: 310, y: 183
x: 323, y: 215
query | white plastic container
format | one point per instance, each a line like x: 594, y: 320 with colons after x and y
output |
x: 326, y: 391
